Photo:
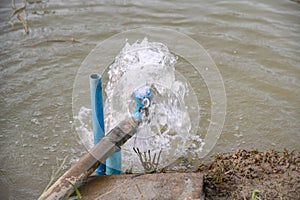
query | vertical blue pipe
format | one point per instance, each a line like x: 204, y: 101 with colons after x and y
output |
x: 114, y: 164
x: 97, y: 112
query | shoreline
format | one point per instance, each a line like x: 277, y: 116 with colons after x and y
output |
x: 245, y: 175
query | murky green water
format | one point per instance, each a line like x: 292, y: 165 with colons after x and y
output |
x: 254, y: 44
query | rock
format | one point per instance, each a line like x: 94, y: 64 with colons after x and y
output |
x: 144, y: 186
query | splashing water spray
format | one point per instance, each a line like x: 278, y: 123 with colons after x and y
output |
x: 173, y: 120
x: 142, y: 84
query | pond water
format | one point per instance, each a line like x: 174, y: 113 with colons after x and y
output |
x: 254, y: 44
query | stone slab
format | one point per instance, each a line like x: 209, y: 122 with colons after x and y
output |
x: 144, y: 186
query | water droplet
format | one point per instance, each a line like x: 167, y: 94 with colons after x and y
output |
x: 42, y: 164
x: 35, y: 121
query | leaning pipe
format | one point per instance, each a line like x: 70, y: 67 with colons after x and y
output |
x: 87, y: 164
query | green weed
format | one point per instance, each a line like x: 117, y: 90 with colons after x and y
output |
x: 253, y: 196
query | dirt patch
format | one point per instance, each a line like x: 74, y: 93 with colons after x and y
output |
x: 253, y: 175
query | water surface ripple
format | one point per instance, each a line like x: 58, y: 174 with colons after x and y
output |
x: 254, y: 44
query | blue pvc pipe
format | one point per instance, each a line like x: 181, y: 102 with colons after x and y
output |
x: 97, y: 113
x: 114, y: 164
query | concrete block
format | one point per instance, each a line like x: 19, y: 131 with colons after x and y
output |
x: 144, y: 186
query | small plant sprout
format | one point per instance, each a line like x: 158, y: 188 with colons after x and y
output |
x: 254, y: 197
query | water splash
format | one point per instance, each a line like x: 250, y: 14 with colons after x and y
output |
x: 168, y: 124
x: 137, y: 64
x: 84, y: 128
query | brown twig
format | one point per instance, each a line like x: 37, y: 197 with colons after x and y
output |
x: 24, y: 23
x: 17, y: 12
x: 70, y: 40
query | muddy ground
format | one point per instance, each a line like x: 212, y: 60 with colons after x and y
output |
x: 246, y: 175
x: 253, y: 175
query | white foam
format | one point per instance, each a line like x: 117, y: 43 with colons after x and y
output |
x: 85, y: 129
